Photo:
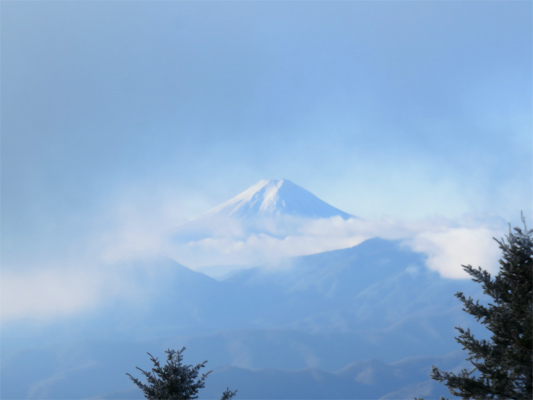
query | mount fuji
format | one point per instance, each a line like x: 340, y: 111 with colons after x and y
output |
x: 272, y: 218
x: 275, y: 198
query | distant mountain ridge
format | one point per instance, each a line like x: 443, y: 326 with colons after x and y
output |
x: 321, y: 313
x: 303, y: 328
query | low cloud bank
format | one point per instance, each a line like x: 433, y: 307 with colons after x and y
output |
x: 44, y: 293
x: 60, y: 289
x: 448, y: 244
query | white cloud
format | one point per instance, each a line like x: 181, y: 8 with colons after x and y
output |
x: 257, y: 249
x: 447, y: 243
x: 449, y: 249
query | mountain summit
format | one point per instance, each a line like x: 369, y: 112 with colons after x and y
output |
x: 273, y: 198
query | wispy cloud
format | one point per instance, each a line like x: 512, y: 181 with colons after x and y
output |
x: 448, y: 244
x: 48, y: 292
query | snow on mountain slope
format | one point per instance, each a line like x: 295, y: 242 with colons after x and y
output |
x: 276, y: 197
x: 271, y: 219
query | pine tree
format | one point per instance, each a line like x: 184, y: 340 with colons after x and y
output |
x: 174, y: 381
x: 502, y: 366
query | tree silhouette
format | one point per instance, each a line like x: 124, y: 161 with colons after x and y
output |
x: 502, y: 366
x: 174, y: 381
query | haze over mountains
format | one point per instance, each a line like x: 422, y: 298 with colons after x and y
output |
x: 368, y: 320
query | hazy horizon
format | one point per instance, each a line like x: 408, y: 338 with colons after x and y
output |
x: 122, y: 121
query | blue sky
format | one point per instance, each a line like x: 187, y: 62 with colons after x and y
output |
x: 166, y: 109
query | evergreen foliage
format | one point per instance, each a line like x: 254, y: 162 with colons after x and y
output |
x: 174, y: 381
x: 502, y: 366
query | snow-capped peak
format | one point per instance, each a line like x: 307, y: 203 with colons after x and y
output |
x: 274, y: 198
